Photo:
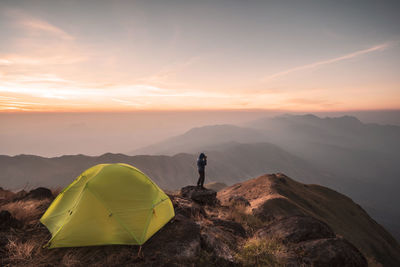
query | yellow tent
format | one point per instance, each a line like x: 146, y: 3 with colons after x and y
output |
x: 107, y: 204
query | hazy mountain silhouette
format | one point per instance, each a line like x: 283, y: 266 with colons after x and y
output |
x: 361, y: 158
x: 228, y: 163
x: 202, y: 138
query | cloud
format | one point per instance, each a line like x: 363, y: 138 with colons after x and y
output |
x: 41, y: 25
x: 39, y: 78
x: 13, y: 59
x: 125, y: 102
x: 35, y: 25
x: 380, y: 47
x: 36, y: 42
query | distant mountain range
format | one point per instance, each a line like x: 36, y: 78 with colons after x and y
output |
x: 358, y: 159
x: 232, y: 162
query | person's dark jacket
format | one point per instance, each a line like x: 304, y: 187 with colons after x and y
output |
x: 201, y: 162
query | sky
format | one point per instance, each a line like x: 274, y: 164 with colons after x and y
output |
x: 199, y: 55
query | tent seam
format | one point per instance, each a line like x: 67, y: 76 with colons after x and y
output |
x: 70, y: 217
x: 150, y: 217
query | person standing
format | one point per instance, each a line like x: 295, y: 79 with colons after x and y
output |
x: 201, y: 166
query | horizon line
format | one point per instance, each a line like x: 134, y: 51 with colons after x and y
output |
x: 194, y: 110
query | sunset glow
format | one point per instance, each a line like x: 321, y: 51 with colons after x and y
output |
x: 142, y: 56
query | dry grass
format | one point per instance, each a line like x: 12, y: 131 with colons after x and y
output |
x: 26, y: 211
x: 70, y: 259
x: 21, y: 251
x: 256, y: 252
x: 240, y: 214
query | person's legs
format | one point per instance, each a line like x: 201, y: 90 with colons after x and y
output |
x: 200, y: 182
x: 202, y: 179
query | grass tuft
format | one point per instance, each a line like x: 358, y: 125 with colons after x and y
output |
x: 256, y: 252
x: 26, y: 211
x: 20, y: 251
x: 239, y: 214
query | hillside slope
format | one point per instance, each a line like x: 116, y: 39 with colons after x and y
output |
x: 274, y: 197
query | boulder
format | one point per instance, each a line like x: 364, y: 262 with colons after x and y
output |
x: 39, y: 193
x: 276, y: 209
x: 177, y: 240
x: 187, y: 207
x: 230, y: 226
x: 329, y: 252
x: 202, y: 196
x: 20, y: 194
x: 7, y: 221
x: 295, y: 229
x: 6, y: 194
x: 219, y: 244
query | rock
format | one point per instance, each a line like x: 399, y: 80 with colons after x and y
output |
x: 20, y: 194
x: 329, y: 252
x: 295, y: 229
x: 187, y: 207
x: 202, y: 196
x: 6, y: 194
x: 230, y: 226
x: 239, y: 200
x: 179, y: 239
x: 220, y: 244
x: 39, y: 193
x: 3, y: 242
x: 276, y: 209
x: 7, y: 221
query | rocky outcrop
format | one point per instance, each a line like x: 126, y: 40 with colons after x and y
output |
x: 178, y: 240
x: 296, y: 229
x: 39, y: 193
x: 5, y: 194
x: 282, y: 205
x: 220, y: 244
x: 311, y: 242
x: 187, y: 207
x: 7, y: 221
x: 230, y: 226
x: 335, y: 252
x: 202, y: 196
